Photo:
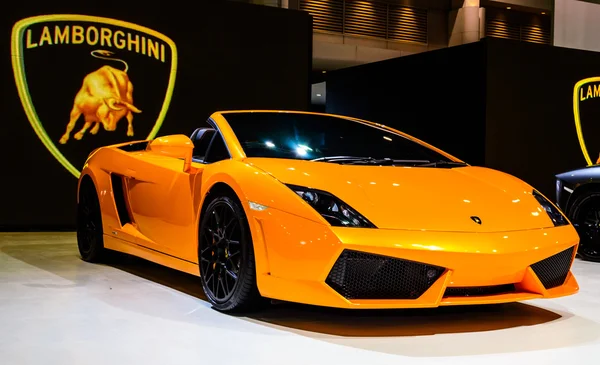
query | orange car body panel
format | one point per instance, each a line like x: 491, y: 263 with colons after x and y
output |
x: 418, y: 219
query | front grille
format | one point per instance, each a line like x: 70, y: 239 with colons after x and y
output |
x: 553, y: 271
x: 479, y: 291
x: 360, y: 275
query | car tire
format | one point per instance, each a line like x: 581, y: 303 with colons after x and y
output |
x: 584, y: 214
x: 90, y: 239
x: 226, y: 257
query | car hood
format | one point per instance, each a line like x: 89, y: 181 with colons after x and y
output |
x: 420, y: 198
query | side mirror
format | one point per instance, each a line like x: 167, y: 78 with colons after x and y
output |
x: 176, y: 146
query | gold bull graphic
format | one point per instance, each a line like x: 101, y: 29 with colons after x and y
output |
x: 105, y: 97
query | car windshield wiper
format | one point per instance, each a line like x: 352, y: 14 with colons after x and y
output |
x: 339, y: 158
x: 355, y: 160
x: 443, y: 163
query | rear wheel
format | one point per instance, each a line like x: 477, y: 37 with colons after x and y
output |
x: 89, y: 223
x: 585, y: 216
x: 226, y: 257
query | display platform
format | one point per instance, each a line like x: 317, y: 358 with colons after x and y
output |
x: 57, y: 309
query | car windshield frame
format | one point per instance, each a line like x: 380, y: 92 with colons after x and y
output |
x: 329, y: 138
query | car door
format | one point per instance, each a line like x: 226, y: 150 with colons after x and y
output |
x: 162, y: 200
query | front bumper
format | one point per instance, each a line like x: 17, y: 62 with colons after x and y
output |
x: 301, y: 262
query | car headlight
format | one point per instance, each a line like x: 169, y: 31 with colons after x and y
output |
x: 333, y: 209
x: 555, y: 215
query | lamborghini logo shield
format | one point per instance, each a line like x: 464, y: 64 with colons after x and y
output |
x: 87, y: 82
x: 586, y: 102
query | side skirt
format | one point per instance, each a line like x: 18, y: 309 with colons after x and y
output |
x: 129, y: 248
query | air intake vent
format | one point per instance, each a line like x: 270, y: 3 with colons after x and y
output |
x: 407, y: 24
x: 553, y: 270
x: 479, y: 291
x: 376, y: 19
x: 360, y: 275
x: 327, y: 15
x: 502, y: 29
x: 134, y: 147
x: 120, y: 197
x: 365, y: 18
x: 535, y: 34
x: 518, y: 29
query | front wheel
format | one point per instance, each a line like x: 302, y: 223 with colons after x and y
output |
x: 226, y: 257
x: 585, y: 216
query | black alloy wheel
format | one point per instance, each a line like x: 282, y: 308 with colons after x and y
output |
x: 585, y: 215
x: 226, y: 256
x: 89, y: 223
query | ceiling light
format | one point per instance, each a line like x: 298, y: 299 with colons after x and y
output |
x: 270, y: 144
x: 301, y: 151
x: 387, y: 138
x: 543, y: 13
x: 324, y: 71
x: 318, y: 94
x: 508, y: 7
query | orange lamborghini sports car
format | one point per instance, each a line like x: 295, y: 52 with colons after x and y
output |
x: 324, y: 210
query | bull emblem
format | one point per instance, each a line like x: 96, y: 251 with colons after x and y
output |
x: 105, y: 97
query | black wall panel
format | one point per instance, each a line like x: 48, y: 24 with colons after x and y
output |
x: 437, y: 96
x: 231, y: 55
x: 498, y: 103
x: 531, y: 130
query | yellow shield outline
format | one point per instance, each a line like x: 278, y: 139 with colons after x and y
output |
x: 577, y: 116
x: 18, y: 65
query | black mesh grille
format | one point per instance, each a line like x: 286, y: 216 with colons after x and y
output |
x: 479, y: 291
x: 360, y: 275
x: 553, y: 270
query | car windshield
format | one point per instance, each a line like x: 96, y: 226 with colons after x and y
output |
x: 326, y: 138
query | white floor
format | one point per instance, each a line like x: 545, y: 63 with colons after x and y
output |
x: 57, y: 309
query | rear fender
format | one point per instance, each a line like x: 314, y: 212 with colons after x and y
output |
x: 98, y: 168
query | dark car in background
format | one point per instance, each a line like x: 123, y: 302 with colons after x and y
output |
x: 578, y: 195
